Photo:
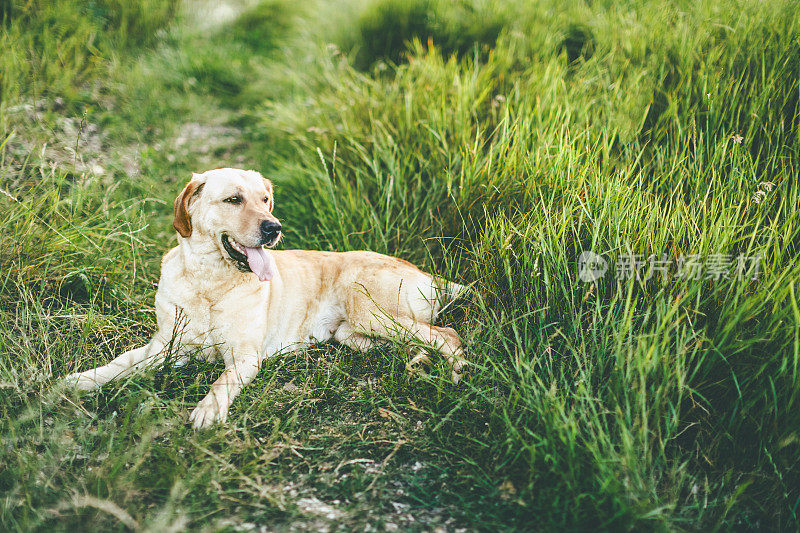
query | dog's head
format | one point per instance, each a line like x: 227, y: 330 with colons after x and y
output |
x: 232, y: 208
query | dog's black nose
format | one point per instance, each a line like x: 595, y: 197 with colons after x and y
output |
x: 269, y: 231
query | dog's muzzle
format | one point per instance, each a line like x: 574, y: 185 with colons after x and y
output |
x: 270, y: 232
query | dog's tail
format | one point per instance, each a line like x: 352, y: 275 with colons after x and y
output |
x: 447, y: 293
x: 455, y: 291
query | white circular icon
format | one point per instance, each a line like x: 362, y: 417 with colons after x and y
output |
x: 591, y: 266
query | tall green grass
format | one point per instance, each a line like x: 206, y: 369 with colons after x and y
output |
x: 492, y: 157
x: 57, y: 49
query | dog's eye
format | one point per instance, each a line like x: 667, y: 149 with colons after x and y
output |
x: 235, y: 200
x: 266, y: 199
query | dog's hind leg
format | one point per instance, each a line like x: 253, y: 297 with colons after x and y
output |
x: 419, y: 358
x: 354, y: 340
x: 445, y: 340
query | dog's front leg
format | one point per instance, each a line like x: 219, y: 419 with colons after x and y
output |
x: 240, y: 369
x: 121, y: 366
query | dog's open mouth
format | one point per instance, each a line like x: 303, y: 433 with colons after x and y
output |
x: 250, y: 259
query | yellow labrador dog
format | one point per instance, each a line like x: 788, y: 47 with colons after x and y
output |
x: 221, y: 293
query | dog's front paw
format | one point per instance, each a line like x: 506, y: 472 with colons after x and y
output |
x: 207, y: 413
x: 84, y: 381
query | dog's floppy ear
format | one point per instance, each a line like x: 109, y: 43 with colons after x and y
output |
x: 271, y: 201
x: 182, y: 222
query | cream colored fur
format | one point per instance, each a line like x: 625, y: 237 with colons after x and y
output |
x: 206, y: 304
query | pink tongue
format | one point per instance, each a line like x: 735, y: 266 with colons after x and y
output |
x: 261, y: 262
